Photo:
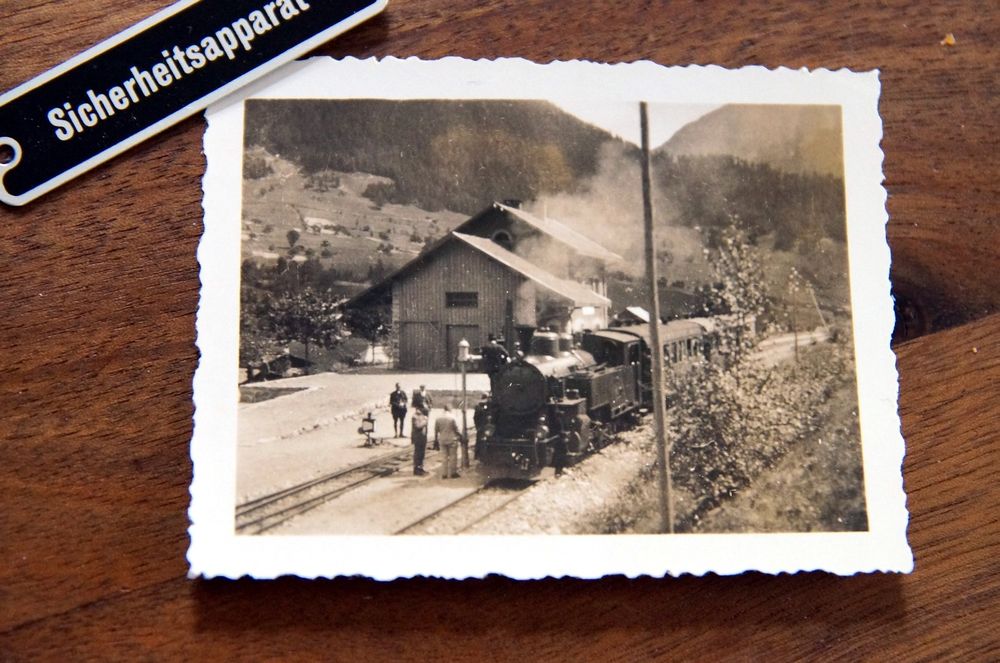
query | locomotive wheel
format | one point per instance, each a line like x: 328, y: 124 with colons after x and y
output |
x: 599, y: 438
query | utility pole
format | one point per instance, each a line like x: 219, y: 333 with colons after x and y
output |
x: 795, y: 327
x: 819, y: 312
x: 659, y: 398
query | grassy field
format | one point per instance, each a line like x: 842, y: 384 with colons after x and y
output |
x: 335, y: 222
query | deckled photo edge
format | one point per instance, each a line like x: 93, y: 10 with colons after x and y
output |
x: 216, y: 550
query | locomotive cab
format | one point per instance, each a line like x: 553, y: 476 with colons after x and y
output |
x: 613, y: 389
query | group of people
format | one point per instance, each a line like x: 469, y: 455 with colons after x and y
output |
x: 447, y: 435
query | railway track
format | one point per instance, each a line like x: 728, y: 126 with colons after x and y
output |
x: 470, y: 509
x: 263, y: 513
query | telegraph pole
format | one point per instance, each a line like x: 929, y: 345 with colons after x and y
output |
x: 819, y: 312
x: 659, y: 399
x: 795, y: 326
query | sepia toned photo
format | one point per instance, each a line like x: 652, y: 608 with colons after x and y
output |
x: 557, y: 319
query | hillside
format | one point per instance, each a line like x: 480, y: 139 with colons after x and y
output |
x: 366, y: 183
x: 457, y: 156
x: 332, y: 219
x: 794, y: 139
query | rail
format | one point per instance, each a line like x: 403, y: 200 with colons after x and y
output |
x: 268, y: 511
x: 484, y: 501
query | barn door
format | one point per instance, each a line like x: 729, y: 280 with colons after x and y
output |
x: 455, y: 334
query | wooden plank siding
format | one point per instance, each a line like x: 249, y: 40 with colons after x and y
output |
x: 419, y: 345
x: 419, y: 297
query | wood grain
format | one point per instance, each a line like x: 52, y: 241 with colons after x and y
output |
x: 100, y: 287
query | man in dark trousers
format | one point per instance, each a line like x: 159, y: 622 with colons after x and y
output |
x: 480, y: 418
x: 418, y: 434
x: 397, y: 403
x: 422, y: 401
x: 495, y: 357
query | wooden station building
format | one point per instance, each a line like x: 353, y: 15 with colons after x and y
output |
x: 500, y: 269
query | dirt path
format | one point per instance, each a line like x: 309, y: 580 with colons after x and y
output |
x: 293, y: 438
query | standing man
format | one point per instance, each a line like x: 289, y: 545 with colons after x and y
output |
x: 418, y: 433
x: 480, y: 418
x: 397, y: 403
x: 422, y: 401
x: 495, y: 357
x: 447, y: 435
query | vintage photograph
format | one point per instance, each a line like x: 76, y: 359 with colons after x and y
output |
x: 447, y: 324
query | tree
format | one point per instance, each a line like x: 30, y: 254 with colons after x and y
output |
x: 377, y: 272
x: 740, y: 288
x: 733, y: 419
x: 293, y: 236
x: 307, y: 316
x: 256, y: 167
x: 373, y: 323
x: 255, y: 339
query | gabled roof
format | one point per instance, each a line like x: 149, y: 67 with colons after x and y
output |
x: 639, y: 312
x: 578, y: 293
x: 551, y: 227
x: 556, y: 229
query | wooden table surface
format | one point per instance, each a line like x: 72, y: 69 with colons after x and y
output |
x: 100, y: 286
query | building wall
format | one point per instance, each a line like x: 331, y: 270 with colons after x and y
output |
x: 422, y: 319
x: 394, y: 335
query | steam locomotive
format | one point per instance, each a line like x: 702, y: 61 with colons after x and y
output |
x: 561, y: 400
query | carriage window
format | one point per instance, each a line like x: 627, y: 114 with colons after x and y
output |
x: 461, y: 299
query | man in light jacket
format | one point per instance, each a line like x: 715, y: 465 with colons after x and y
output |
x: 447, y: 435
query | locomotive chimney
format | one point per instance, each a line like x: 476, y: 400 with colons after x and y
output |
x: 524, y: 334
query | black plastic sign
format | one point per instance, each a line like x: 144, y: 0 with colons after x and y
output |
x: 151, y: 76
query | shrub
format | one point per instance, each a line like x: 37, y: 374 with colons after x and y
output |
x: 255, y: 167
x: 730, y: 424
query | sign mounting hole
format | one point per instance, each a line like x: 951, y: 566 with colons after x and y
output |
x: 7, y: 153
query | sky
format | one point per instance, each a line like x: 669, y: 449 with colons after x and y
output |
x: 621, y: 118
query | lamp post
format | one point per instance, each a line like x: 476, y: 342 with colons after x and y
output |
x: 463, y: 359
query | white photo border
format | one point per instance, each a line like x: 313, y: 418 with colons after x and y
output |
x: 216, y: 550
